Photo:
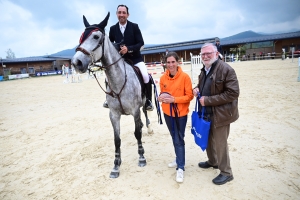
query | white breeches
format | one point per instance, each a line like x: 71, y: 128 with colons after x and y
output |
x: 143, y: 69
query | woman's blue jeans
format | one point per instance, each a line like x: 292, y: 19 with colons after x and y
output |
x: 178, y: 138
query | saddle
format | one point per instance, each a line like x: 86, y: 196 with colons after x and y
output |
x: 135, y: 68
x: 139, y: 76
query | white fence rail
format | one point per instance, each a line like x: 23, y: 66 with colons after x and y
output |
x: 196, y: 66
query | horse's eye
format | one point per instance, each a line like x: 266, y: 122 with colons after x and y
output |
x: 96, y: 37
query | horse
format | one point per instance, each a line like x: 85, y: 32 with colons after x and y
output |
x: 124, y: 92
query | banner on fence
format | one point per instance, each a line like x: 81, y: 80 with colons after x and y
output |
x: 48, y: 73
x: 18, y: 76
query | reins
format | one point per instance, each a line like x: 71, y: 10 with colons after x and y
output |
x: 93, y: 63
x: 113, y: 93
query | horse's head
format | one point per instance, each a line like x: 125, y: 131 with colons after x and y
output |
x: 88, y: 50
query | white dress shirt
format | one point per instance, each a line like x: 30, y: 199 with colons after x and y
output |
x: 122, y: 27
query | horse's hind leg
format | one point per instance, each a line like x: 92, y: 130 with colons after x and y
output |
x: 150, y: 130
x: 115, y: 121
x: 138, y: 136
x: 146, y: 116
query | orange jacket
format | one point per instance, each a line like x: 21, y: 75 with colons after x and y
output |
x: 180, y: 87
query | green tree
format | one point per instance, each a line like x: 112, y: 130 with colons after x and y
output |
x: 10, y: 54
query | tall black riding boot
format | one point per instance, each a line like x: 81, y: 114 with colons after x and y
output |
x: 148, y: 103
x: 105, y: 105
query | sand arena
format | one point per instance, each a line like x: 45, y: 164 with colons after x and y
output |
x: 56, y: 142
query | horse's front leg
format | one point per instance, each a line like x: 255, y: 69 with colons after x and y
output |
x: 115, y: 121
x: 138, y: 136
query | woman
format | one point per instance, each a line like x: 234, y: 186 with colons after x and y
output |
x: 176, y: 94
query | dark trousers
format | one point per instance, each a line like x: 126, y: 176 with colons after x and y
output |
x: 217, y: 148
x: 177, y: 138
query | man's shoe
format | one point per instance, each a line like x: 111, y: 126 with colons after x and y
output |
x: 206, y: 165
x: 148, y: 105
x: 222, y: 179
x: 172, y: 164
x: 105, y: 105
x: 179, y: 176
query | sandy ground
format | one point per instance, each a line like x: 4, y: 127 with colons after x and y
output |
x: 56, y: 142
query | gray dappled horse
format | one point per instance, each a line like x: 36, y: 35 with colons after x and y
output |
x: 124, y: 94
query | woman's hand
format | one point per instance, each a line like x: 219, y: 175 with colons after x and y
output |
x: 166, y: 98
x: 169, y: 99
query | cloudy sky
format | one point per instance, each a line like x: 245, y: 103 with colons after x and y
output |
x: 36, y: 27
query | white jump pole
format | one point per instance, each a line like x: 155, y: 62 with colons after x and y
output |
x: 298, y: 69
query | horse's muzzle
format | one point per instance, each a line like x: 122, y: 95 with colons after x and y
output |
x: 80, y: 65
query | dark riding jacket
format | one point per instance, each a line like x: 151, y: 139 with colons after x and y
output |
x: 132, y: 39
x: 224, y: 93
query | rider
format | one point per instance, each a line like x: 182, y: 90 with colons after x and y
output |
x: 131, y: 39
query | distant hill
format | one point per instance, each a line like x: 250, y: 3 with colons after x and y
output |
x: 67, y: 52
x: 246, y: 34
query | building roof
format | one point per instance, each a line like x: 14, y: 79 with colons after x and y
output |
x: 179, y: 46
x: 197, y: 44
x: 36, y: 59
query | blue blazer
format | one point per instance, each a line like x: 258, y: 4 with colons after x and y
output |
x: 132, y: 38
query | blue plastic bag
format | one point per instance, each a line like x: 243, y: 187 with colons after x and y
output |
x: 200, y: 127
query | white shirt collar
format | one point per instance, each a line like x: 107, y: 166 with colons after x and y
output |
x: 123, y: 25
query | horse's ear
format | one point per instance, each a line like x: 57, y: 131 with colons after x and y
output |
x: 103, y: 24
x: 86, y: 23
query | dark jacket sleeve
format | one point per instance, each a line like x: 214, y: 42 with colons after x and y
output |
x: 138, y: 39
x: 225, y: 87
x: 224, y: 95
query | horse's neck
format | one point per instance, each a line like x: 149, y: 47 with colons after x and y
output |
x: 110, y: 54
x: 115, y: 73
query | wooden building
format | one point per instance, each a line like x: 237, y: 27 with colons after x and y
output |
x: 33, y: 65
x: 242, y: 46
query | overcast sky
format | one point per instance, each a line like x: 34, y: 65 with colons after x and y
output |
x: 41, y: 27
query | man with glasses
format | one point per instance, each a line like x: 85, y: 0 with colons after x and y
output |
x: 129, y: 37
x: 219, y: 90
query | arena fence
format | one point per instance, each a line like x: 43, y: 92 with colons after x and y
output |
x: 196, y: 66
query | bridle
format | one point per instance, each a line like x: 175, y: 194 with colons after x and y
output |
x: 101, y: 41
x: 100, y: 67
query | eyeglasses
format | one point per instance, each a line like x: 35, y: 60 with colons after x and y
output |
x: 206, y: 54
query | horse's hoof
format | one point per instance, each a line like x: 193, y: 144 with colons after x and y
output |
x: 142, y: 163
x: 114, y: 174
